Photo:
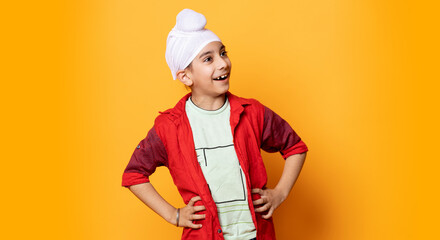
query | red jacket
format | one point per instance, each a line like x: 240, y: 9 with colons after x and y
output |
x: 170, y: 143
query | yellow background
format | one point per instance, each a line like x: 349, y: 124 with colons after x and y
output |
x: 82, y: 81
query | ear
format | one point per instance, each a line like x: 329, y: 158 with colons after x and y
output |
x: 184, y: 78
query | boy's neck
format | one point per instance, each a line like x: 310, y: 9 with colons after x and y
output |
x: 208, y: 102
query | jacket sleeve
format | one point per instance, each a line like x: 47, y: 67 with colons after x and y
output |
x: 278, y: 136
x: 149, y: 154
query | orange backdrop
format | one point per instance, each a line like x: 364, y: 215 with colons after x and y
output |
x: 82, y: 82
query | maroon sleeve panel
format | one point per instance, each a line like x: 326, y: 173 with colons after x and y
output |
x: 278, y: 136
x: 148, y: 155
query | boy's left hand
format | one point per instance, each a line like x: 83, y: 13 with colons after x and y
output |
x: 270, y: 200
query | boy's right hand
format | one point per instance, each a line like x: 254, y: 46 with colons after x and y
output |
x: 187, y: 214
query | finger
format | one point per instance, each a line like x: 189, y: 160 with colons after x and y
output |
x: 262, y: 200
x: 257, y: 190
x: 258, y: 201
x: 199, y: 208
x: 269, y: 214
x: 198, y: 216
x: 263, y: 208
x: 193, y: 200
x: 195, y: 226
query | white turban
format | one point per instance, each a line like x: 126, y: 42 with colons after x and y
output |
x: 187, y: 38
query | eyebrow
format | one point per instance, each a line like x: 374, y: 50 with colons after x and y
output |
x: 208, y: 52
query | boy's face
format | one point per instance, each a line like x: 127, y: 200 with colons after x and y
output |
x: 206, y: 68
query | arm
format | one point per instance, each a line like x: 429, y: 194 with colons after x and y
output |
x: 279, y: 136
x: 148, y: 155
x: 271, y: 199
x: 148, y: 195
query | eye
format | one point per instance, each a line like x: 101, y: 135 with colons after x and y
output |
x: 224, y: 53
x: 206, y: 59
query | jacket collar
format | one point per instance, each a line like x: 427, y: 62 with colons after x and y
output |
x: 236, y: 103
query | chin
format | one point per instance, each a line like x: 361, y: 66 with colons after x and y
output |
x: 222, y: 91
x: 225, y: 89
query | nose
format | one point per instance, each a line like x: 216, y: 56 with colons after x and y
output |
x: 222, y: 63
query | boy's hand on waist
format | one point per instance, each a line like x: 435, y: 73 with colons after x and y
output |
x: 188, y: 214
x: 270, y: 200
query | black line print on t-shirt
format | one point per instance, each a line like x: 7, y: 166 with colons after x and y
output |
x: 235, y: 200
x: 211, y: 158
x: 203, y: 151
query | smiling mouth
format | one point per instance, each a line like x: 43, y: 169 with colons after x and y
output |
x: 223, y: 77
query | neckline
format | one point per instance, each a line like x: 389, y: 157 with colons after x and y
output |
x: 208, y: 112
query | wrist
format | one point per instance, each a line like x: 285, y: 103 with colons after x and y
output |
x: 281, y: 193
x: 171, y: 217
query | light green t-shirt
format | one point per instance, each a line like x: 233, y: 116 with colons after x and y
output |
x: 217, y: 157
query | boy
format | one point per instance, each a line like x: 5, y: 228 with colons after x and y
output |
x: 211, y: 141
